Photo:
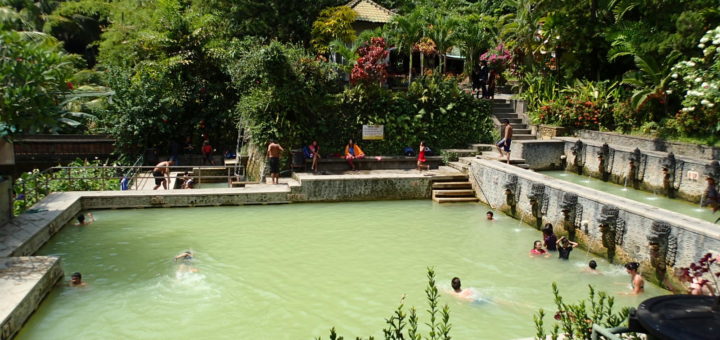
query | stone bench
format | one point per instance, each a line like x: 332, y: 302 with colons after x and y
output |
x: 374, y: 163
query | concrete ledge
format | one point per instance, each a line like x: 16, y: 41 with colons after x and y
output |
x: 24, y: 283
x: 373, y: 163
x: 654, y: 144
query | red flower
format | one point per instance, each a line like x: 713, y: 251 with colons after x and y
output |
x: 70, y: 85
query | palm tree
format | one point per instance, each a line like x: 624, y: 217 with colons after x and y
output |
x: 443, y: 31
x: 476, y: 35
x: 405, y: 32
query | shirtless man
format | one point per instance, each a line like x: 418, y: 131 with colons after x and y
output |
x: 273, y: 153
x: 76, y: 280
x: 160, y: 171
x: 504, y: 143
x: 465, y: 294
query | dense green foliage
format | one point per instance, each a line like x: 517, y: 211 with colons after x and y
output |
x: 575, y: 321
x: 33, y: 186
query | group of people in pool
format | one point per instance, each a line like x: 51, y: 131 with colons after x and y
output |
x: 563, y: 246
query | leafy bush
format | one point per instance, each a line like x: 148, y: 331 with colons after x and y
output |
x: 700, y: 79
x: 33, y: 186
x: 575, y: 321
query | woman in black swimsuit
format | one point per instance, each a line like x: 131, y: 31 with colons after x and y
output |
x: 564, y: 247
x: 636, y: 281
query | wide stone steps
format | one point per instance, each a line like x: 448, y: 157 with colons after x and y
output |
x: 501, y: 116
x: 451, y: 185
x: 523, y: 137
x: 453, y: 193
x: 456, y: 190
x: 455, y: 199
x: 459, y: 166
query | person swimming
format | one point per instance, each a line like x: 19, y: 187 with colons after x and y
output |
x: 464, y: 294
x: 489, y: 216
x: 82, y: 221
x: 592, y: 267
x: 538, y: 250
x: 76, y: 280
x: 186, y: 255
x: 186, y: 265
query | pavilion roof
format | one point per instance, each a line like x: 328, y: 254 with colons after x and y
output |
x: 368, y: 10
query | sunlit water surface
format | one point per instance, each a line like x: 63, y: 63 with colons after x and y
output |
x: 294, y: 271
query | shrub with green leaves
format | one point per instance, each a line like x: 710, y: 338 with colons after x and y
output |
x: 575, y: 321
x: 699, y: 78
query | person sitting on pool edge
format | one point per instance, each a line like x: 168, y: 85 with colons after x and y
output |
x: 490, y: 216
x: 76, y: 280
x: 352, y: 152
x: 82, y: 221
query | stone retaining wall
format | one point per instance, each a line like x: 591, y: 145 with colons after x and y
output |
x: 652, y: 144
x: 361, y: 187
x: 24, y: 282
x: 689, y: 181
x: 677, y: 240
x: 540, y: 154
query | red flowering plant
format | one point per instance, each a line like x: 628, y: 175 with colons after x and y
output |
x: 371, y: 67
x: 497, y: 58
x: 697, y: 274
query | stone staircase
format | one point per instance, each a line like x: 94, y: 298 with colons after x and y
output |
x: 504, y: 109
x: 453, y: 189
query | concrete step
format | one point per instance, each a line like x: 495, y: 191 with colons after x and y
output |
x: 523, y: 137
x: 451, y: 185
x: 482, y: 147
x: 468, y: 160
x: 502, y: 116
x: 497, y: 110
x: 462, y: 167
x: 462, y: 152
x: 239, y: 184
x: 454, y: 193
x: 514, y: 121
x: 455, y: 199
x: 494, y: 156
x: 521, y: 131
x: 523, y: 165
x: 450, y: 178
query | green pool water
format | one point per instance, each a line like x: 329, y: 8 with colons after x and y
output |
x: 293, y: 271
x: 676, y: 205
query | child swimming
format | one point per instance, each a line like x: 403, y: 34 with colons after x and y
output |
x: 538, y: 250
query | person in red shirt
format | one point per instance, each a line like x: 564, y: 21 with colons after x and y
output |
x: 207, y: 152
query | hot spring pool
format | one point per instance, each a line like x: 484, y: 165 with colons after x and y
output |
x: 293, y: 271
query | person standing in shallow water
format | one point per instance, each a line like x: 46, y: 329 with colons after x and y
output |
x: 636, y: 281
x: 549, y: 238
x: 564, y: 247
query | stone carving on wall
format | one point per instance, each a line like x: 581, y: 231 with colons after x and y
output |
x: 538, y: 202
x: 605, y: 160
x: 612, y: 228
x: 636, y: 173
x: 670, y: 171
x: 712, y: 170
x: 663, y: 248
x: 578, y: 151
x: 512, y: 190
x: 572, y: 213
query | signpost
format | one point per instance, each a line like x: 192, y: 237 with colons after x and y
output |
x: 373, y: 132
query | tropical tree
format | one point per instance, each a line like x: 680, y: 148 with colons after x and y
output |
x: 334, y: 23
x: 405, y: 32
x: 476, y: 34
x: 651, y: 80
x: 443, y: 31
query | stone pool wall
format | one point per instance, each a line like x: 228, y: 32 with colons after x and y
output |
x: 689, y: 182
x: 24, y: 283
x: 361, y: 187
x: 540, y: 154
x: 660, y: 240
x: 652, y: 144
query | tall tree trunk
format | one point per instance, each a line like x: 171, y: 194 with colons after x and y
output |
x: 422, y: 64
x: 410, y: 67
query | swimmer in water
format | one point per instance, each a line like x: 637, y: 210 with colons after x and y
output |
x: 76, y: 280
x: 592, y: 268
x: 464, y: 294
x: 538, y: 250
x: 185, y: 266
x: 636, y: 281
x: 82, y: 221
x: 490, y: 216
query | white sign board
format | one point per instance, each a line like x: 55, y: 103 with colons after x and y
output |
x: 373, y: 132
